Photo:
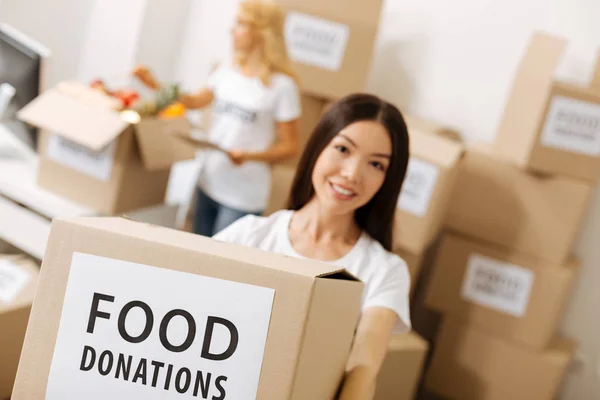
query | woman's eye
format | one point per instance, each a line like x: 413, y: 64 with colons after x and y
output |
x: 342, y: 149
x: 378, y: 165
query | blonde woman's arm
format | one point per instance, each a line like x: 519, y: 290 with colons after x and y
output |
x: 368, y: 353
x: 286, y: 147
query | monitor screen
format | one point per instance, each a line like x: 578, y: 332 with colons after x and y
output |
x: 20, y: 77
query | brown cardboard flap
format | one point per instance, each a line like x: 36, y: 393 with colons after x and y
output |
x: 198, y: 243
x: 530, y: 90
x: 62, y: 113
x: 435, y: 148
x: 159, y: 145
x: 595, y: 84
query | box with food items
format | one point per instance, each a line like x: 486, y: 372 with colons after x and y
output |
x: 109, y: 149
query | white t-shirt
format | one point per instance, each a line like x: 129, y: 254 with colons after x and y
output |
x: 245, y: 113
x: 385, y: 275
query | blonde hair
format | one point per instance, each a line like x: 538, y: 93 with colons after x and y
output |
x: 268, y: 19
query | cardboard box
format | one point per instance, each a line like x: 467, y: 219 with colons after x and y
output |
x: 18, y: 281
x: 550, y: 126
x: 331, y: 43
x: 468, y: 364
x: 182, y: 306
x: 414, y: 263
x: 427, y: 188
x: 312, y: 110
x: 402, y: 368
x: 495, y: 201
x: 513, y: 295
x: 89, y: 153
x: 282, y: 177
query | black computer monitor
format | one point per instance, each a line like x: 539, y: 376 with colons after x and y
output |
x: 22, y: 66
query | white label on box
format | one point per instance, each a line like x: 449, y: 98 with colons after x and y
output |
x: 572, y: 125
x: 96, y: 164
x: 316, y: 41
x: 13, y: 280
x: 132, y: 331
x: 498, y: 285
x: 418, y: 187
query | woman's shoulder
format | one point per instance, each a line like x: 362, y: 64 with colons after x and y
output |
x: 283, y: 81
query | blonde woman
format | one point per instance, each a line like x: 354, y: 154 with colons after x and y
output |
x: 256, y: 107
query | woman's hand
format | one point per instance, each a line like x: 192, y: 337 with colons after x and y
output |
x: 238, y: 157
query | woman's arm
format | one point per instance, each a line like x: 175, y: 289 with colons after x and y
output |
x: 368, y: 353
x: 197, y: 100
x: 286, y: 147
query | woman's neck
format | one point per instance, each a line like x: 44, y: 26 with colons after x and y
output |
x: 252, y: 63
x: 323, y: 227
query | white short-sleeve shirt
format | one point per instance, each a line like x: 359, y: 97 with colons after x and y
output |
x: 385, y: 275
x: 245, y: 114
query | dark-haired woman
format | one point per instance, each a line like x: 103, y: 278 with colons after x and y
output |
x: 341, y: 211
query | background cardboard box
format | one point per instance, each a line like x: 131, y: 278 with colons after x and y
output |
x: 516, y: 297
x: 302, y: 313
x: 282, y: 178
x: 495, y: 201
x: 548, y: 126
x: 402, y: 368
x: 18, y: 282
x: 469, y: 364
x: 90, y: 154
x: 414, y: 263
x: 427, y: 188
x: 331, y: 43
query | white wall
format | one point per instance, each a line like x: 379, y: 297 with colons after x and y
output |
x: 60, y: 25
x: 161, y: 36
x: 111, y: 40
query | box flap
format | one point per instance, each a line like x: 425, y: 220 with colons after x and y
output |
x: 529, y: 95
x: 189, y: 241
x: 159, y: 143
x: 76, y: 113
x: 434, y: 148
x: 340, y: 274
x: 595, y: 84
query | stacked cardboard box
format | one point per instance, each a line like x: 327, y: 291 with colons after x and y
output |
x: 434, y: 159
x: 93, y: 155
x: 505, y: 268
x: 18, y: 282
x: 402, y: 368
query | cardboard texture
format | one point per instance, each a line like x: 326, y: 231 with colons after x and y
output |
x: 92, y: 155
x: 427, y: 188
x: 517, y: 297
x: 14, y: 314
x: 402, y: 368
x: 469, y: 364
x: 312, y: 110
x: 309, y: 314
x: 495, y: 201
x: 331, y: 50
x: 548, y: 126
x: 282, y: 177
